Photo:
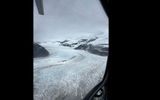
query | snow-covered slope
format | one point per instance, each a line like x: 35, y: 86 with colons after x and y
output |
x: 67, y: 73
x: 75, y: 33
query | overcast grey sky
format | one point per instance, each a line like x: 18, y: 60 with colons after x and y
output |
x: 69, y: 17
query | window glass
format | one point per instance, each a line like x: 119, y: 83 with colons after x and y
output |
x: 70, y: 48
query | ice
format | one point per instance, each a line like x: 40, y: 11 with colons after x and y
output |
x: 55, y: 78
x: 69, y: 74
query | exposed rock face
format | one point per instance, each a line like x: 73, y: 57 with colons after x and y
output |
x: 39, y: 51
x: 84, y: 44
x: 82, y: 47
x: 94, y: 49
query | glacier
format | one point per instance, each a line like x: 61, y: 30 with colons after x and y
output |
x: 67, y: 73
x: 75, y: 33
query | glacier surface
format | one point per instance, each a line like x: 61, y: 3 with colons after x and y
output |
x: 67, y: 73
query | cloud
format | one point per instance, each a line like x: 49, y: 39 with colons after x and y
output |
x: 69, y: 17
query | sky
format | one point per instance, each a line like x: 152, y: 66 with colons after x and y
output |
x: 69, y: 18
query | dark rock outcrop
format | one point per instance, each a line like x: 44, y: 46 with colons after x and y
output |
x: 66, y: 44
x: 64, y: 41
x: 82, y: 40
x: 84, y: 44
x: 98, y: 50
x: 82, y: 47
x: 94, y: 49
x: 39, y: 51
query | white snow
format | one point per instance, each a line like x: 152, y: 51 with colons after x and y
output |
x: 68, y: 74
x: 68, y: 80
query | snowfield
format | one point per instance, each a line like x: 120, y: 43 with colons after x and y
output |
x: 75, y: 33
x: 67, y: 73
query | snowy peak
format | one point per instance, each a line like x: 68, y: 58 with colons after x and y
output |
x: 91, y: 45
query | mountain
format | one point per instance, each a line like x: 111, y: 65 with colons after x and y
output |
x: 39, y: 51
x: 87, y: 45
